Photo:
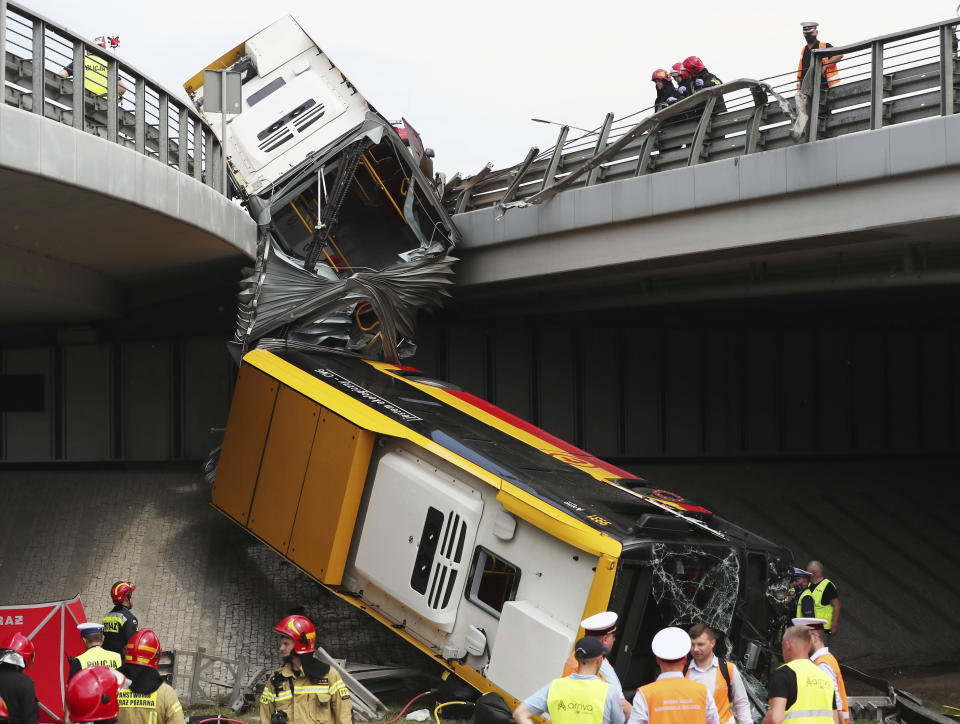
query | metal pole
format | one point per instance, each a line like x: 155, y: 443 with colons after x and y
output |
x: 223, y: 133
x: 3, y: 51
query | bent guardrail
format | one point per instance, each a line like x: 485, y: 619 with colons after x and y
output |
x: 891, y: 79
x: 39, y: 74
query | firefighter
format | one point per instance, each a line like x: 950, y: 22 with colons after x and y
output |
x: 16, y: 688
x: 652, y: 704
x: 701, y: 78
x: 148, y: 699
x: 581, y: 698
x: 799, y: 691
x: 92, y: 694
x: 681, y: 77
x: 666, y: 91
x: 119, y: 623
x: 91, y: 633
x: 827, y: 662
x: 304, y: 690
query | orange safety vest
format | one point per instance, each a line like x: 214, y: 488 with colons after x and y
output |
x: 676, y: 701
x: 721, y: 693
x: 829, y: 70
x: 831, y: 661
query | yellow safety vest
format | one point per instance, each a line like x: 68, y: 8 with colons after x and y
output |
x: 814, y: 704
x: 95, y: 74
x: 819, y: 609
x: 577, y: 701
x: 159, y: 707
x: 97, y: 656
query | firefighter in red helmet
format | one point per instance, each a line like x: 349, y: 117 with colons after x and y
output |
x: 148, y: 699
x: 304, y: 690
x: 16, y: 688
x: 92, y: 694
x: 119, y: 623
x: 701, y: 78
x: 666, y: 91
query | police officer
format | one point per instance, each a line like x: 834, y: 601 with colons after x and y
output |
x: 92, y: 694
x: 721, y: 677
x: 798, y: 690
x: 16, y: 688
x: 804, y: 604
x: 304, y: 690
x: 657, y: 703
x: 603, y: 627
x: 581, y: 698
x: 811, y: 31
x: 91, y: 633
x: 827, y: 662
x: 148, y: 699
x: 826, y: 600
x: 119, y: 624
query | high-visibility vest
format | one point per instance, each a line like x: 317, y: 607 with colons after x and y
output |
x: 97, y: 656
x: 721, y: 691
x: 821, y: 610
x: 676, y: 701
x: 829, y: 70
x: 158, y: 707
x: 577, y: 701
x: 814, y: 704
x: 831, y: 661
x: 95, y: 74
x: 807, y: 593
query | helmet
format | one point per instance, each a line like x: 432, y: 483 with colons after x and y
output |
x: 301, y: 630
x: 22, y: 645
x: 693, y: 65
x: 143, y: 649
x: 660, y: 74
x: 120, y: 590
x: 679, y: 70
x: 92, y: 694
x: 4, y: 714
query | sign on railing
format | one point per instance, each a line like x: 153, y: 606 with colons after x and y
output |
x: 892, y: 79
x: 51, y: 71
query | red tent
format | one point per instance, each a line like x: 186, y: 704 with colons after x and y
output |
x: 53, y: 629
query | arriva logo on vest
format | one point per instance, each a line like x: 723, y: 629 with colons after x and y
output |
x: 820, y: 683
x: 11, y: 621
x: 573, y: 706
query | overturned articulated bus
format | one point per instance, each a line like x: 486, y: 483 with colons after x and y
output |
x: 474, y: 535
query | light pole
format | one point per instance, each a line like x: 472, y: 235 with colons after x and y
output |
x: 554, y: 123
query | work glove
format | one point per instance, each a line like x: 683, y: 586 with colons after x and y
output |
x: 698, y: 82
x: 682, y: 89
x: 671, y: 100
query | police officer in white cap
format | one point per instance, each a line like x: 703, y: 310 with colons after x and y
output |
x: 811, y: 30
x: 91, y: 633
x: 602, y: 626
x: 673, y: 699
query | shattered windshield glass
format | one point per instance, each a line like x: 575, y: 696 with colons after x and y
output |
x: 695, y: 584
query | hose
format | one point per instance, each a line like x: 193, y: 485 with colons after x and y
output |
x: 438, y: 707
x: 221, y: 718
x: 404, y: 710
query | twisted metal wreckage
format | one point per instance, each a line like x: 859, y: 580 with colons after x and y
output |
x: 472, y: 534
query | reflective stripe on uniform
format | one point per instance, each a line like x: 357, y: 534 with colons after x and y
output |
x: 808, y: 713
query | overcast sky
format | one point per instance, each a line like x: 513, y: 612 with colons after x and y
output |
x: 470, y: 75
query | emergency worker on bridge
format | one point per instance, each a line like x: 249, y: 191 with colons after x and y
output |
x: 91, y: 633
x: 810, y: 33
x: 603, y: 627
x: 119, y: 623
x: 827, y: 662
x: 721, y: 677
x: 304, y: 690
x: 16, y: 688
x: 701, y: 78
x: 823, y: 594
x: 799, y: 691
x: 667, y: 93
x: 148, y: 699
x: 581, y: 698
x: 672, y: 698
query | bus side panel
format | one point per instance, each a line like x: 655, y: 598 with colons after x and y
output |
x: 331, y: 496
x: 243, y: 442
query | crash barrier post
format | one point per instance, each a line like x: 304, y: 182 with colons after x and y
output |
x: 49, y: 70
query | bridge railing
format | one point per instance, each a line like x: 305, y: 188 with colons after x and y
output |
x: 891, y: 79
x: 43, y: 72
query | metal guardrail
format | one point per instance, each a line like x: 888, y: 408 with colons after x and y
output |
x: 131, y: 109
x: 883, y: 81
